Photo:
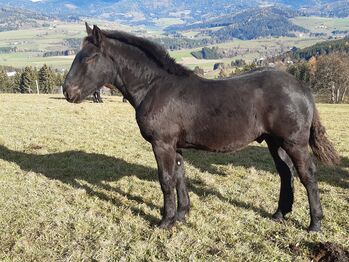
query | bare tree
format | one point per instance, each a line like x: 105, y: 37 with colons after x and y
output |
x: 332, y: 74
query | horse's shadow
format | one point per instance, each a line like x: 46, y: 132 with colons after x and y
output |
x: 260, y: 158
x: 70, y: 167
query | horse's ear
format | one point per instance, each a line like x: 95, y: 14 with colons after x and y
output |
x: 88, y: 29
x: 97, y: 36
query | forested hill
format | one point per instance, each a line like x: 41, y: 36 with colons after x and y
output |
x: 323, y: 48
x: 15, y: 18
x: 254, y: 23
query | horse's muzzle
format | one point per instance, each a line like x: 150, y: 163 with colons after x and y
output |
x: 72, y: 94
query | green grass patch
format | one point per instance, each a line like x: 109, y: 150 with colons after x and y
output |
x: 78, y: 182
x: 165, y: 22
x: 322, y: 24
x: 35, y: 59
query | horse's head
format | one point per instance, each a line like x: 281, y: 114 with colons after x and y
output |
x: 91, y: 68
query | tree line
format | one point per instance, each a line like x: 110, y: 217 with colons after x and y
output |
x: 327, y: 75
x: 322, y: 48
x: 31, y: 79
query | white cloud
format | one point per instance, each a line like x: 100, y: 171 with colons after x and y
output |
x: 70, y: 6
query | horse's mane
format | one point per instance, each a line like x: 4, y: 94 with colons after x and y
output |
x: 154, y: 51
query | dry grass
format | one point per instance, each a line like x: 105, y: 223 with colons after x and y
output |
x: 78, y: 182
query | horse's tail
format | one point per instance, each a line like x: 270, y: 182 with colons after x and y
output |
x: 319, y: 143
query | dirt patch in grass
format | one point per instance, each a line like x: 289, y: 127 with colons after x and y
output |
x: 329, y: 252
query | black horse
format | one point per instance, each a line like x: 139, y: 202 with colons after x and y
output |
x: 177, y: 109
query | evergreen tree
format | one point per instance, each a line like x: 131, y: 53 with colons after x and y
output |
x: 58, y: 78
x: 301, y: 71
x: 15, y: 83
x: 27, y: 83
x: 4, y: 82
x: 46, y: 79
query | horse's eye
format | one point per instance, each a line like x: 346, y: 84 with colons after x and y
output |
x: 90, y: 59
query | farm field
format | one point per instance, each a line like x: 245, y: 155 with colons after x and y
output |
x: 32, y: 43
x: 322, y: 24
x: 78, y: 182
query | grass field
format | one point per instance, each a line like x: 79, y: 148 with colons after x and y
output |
x: 322, y: 24
x: 78, y: 182
x: 32, y: 43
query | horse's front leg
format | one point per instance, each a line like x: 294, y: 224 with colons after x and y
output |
x: 165, y: 155
x: 182, y: 191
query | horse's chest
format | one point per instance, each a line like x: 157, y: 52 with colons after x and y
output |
x: 154, y: 125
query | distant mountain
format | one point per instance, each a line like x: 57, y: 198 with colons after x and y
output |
x: 249, y: 24
x: 132, y: 10
x: 245, y: 16
x: 264, y: 22
x: 16, y: 18
x: 187, y: 10
x: 336, y: 9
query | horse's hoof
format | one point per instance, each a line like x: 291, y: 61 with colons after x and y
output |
x: 314, y: 227
x: 180, y: 215
x: 278, y: 216
x: 167, y: 223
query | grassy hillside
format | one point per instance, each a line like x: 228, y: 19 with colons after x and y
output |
x: 78, y: 182
x: 322, y: 24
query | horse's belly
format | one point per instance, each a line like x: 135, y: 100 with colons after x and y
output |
x: 218, y: 140
x: 213, y: 148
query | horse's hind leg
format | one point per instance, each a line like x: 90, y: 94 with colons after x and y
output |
x: 282, y: 164
x: 306, y: 171
x: 182, y: 192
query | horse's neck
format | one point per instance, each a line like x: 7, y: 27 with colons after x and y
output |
x: 135, y: 88
x: 135, y: 79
